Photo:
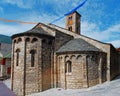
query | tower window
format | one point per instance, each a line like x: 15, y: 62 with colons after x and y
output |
x: 68, y: 67
x: 70, y: 28
x: 70, y: 18
x: 17, y: 57
x: 32, y: 52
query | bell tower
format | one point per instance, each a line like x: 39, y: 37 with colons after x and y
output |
x: 73, y: 22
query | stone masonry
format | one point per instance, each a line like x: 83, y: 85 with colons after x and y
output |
x: 48, y: 56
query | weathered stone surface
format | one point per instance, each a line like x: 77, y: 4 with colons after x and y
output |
x: 70, y: 69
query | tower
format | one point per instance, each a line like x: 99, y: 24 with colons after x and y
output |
x: 73, y: 22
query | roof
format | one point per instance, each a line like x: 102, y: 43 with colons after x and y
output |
x: 5, y: 50
x: 77, y: 45
x: 37, y: 30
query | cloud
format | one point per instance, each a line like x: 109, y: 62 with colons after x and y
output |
x: 13, y: 29
x: 111, y: 34
x: 116, y: 43
x: 1, y: 9
x: 21, y: 3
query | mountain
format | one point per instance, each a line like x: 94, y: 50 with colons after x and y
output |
x: 5, y: 39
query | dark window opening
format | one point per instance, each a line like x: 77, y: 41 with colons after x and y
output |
x: 19, y: 39
x: 14, y: 41
x: 17, y: 56
x: 70, y: 28
x: 32, y: 52
x: 34, y: 40
x: 68, y: 67
x: 70, y: 18
x: 27, y: 39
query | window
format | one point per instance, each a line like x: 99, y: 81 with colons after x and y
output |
x: 14, y: 41
x: 70, y: 18
x: 32, y: 52
x: 27, y: 39
x: 17, y: 56
x: 34, y: 40
x: 68, y: 67
x: 19, y: 39
x: 70, y: 28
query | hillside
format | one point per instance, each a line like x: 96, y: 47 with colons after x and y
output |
x: 5, y: 39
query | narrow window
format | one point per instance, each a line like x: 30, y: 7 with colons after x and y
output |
x: 19, y: 39
x: 32, y: 52
x: 17, y: 56
x: 70, y: 28
x: 68, y: 67
x: 27, y: 39
x: 70, y: 18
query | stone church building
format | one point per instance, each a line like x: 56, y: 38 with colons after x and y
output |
x: 48, y: 56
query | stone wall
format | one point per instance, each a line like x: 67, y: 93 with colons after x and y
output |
x: 18, y: 71
x: 114, y: 62
x: 25, y: 78
x: 87, y: 70
x: 47, y: 57
x: 33, y: 44
x: 103, y: 46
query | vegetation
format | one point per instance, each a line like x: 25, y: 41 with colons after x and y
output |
x: 5, y: 39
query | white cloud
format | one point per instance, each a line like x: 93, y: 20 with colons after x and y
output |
x: 1, y: 9
x: 13, y: 29
x: 116, y: 43
x: 111, y: 34
x: 21, y: 3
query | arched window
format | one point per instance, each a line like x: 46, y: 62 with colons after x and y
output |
x: 32, y: 52
x: 27, y: 39
x: 70, y: 28
x: 19, y: 39
x: 17, y: 56
x: 34, y: 40
x: 14, y: 41
x: 68, y: 67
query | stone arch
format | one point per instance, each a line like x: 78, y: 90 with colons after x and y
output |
x: 34, y: 40
x: 17, y: 56
x: 19, y: 40
x: 66, y: 58
x: 27, y: 39
x: 68, y: 66
x: 88, y: 58
x: 73, y: 58
x: 32, y: 52
x: 79, y: 56
x: 17, y: 50
x: 79, y: 59
x: 15, y: 41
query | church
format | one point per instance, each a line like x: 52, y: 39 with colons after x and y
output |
x: 48, y: 56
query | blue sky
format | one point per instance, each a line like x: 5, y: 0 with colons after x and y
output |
x: 100, y: 18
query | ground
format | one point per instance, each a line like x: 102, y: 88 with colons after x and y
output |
x: 106, y: 89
